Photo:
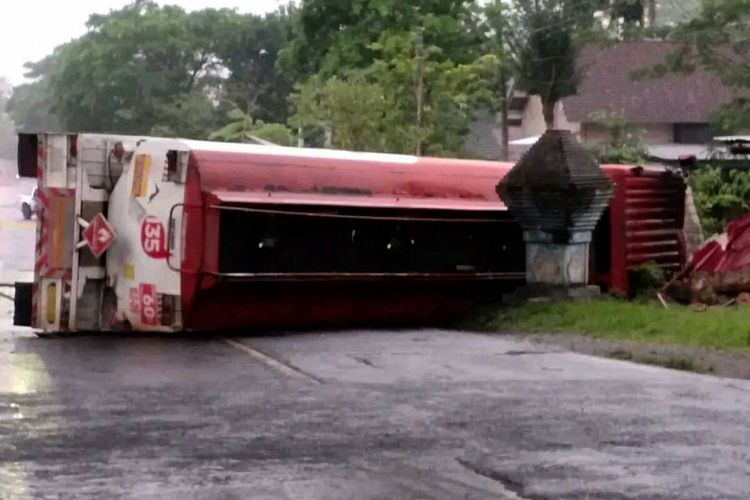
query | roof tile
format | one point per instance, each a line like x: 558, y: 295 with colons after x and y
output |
x: 607, y: 84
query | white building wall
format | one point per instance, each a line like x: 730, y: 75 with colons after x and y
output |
x: 650, y: 133
x: 533, y: 120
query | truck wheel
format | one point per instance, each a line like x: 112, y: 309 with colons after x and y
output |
x: 26, y: 211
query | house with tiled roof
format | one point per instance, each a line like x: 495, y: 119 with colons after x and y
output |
x: 672, y: 113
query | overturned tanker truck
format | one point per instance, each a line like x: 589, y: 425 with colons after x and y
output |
x: 156, y: 234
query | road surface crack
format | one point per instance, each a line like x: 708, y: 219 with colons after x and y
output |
x: 514, y: 489
x: 522, y: 353
x: 364, y: 360
x: 278, y: 365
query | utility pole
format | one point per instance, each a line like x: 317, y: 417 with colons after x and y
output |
x: 420, y: 60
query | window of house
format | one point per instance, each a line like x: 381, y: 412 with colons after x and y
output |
x: 692, y: 133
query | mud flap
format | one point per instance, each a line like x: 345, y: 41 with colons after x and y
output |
x: 22, y: 304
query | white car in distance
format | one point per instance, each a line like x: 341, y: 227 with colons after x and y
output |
x: 28, y: 204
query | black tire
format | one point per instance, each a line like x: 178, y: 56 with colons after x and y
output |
x: 26, y: 211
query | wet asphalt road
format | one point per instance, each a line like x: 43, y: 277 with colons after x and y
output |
x: 357, y: 414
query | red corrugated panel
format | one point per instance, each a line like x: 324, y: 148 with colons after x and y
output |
x: 728, y: 252
x: 647, y: 216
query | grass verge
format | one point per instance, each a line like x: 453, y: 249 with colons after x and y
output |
x: 612, y: 319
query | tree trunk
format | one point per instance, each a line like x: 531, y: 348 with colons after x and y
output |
x: 504, y: 98
x: 504, y: 105
x: 504, y: 112
x: 548, y: 109
x: 650, y: 13
x: 420, y: 56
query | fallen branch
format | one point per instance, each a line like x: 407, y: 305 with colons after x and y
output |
x: 661, y: 299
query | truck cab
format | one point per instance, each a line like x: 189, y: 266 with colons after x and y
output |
x: 94, y: 198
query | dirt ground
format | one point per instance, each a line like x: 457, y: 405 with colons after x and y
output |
x: 696, y: 359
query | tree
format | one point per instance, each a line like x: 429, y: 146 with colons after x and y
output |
x: 131, y: 72
x: 359, y: 115
x: 623, y: 143
x: 547, y: 51
x: 7, y: 127
x: 720, y: 196
x: 147, y: 69
x: 422, y: 61
x: 30, y: 108
x: 243, y: 128
x: 408, y: 100
x: 440, y: 96
x: 497, y: 31
x: 249, y: 51
x: 538, y: 41
x: 30, y: 104
x: 335, y: 37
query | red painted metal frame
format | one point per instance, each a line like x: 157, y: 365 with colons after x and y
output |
x: 647, y: 214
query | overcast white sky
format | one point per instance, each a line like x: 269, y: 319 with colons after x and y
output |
x: 31, y: 29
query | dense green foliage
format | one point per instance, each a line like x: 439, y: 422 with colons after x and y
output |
x: 390, y: 75
x: 379, y: 75
x: 720, y: 196
x: 159, y: 70
x: 244, y: 128
x: 7, y: 133
x: 335, y: 37
x: 623, y: 145
x: 249, y: 51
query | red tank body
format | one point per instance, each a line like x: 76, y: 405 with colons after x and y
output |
x: 255, y: 198
x: 231, y: 236
x: 379, y: 194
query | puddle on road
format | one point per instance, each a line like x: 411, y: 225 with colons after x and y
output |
x: 22, y: 373
x: 14, y: 480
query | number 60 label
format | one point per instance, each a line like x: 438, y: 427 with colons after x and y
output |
x: 154, y: 238
x: 149, y: 309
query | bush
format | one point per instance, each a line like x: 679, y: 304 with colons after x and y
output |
x: 623, y: 145
x: 645, y: 278
x: 720, y: 196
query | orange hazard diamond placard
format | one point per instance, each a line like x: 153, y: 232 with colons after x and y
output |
x: 99, y: 235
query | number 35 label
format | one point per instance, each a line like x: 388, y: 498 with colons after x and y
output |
x: 154, y: 238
